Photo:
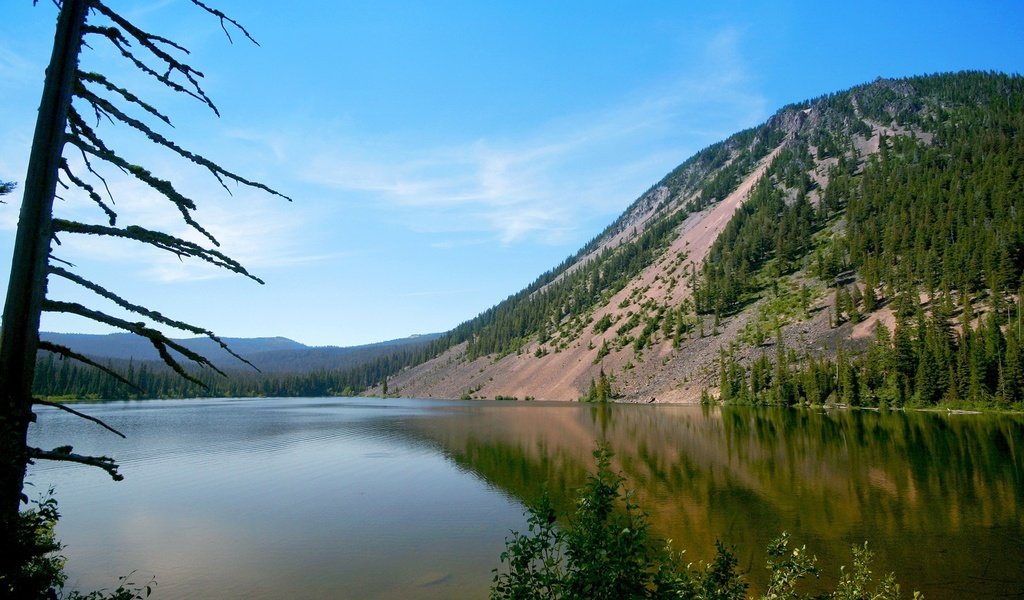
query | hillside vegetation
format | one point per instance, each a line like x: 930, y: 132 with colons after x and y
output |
x: 874, y: 256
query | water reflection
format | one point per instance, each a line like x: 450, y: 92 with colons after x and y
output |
x: 265, y: 499
x: 938, y: 495
x: 387, y: 499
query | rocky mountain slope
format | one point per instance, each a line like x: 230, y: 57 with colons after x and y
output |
x: 756, y: 244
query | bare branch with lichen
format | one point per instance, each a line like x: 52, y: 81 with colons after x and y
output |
x: 152, y: 314
x: 89, y: 167
x: 159, y: 341
x: 223, y: 18
x: 81, y: 415
x: 157, y: 239
x: 91, y: 191
x: 64, y: 453
x: 88, y: 76
x: 65, y: 352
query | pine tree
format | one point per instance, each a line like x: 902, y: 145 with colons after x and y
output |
x: 1011, y: 374
x: 782, y: 392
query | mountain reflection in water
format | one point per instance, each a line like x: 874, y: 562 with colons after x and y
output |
x: 368, y: 498
x: 936, y: 495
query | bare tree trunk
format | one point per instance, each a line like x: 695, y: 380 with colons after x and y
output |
x: 20, y: 335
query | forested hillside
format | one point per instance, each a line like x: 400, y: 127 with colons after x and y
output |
x: 876, y: 257
x: 865, y: 247
x: 928, y: 228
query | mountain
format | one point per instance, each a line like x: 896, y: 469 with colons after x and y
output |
x: 865, y: 248
x: 269, y: 355
x: 760, y: 267
x: 129, y: 346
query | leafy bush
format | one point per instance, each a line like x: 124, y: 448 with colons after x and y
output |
x: 606, y: 553
x: 42, y: 573
x: 42, y: 568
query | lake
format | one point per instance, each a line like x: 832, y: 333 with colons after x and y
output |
x: 398, y: 498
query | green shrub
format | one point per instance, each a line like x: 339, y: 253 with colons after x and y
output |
x: 42, y: 573
x: 606, y: 553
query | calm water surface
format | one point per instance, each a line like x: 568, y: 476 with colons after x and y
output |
x: 368, y: 498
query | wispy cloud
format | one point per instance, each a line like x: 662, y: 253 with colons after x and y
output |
x: 539, y: 185
x: 261, y: 239
x: 436, y: 293
x: 258, y: 231
x: 15, y: 68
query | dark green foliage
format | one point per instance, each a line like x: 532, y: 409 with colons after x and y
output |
x: 603, y: 323
x: 605, y: 552
x: 600, y: 389
x: 788, y: 567
x: 924, y: 362
x: 939, y: 210
x: 63, y: 378
x: 936, y: 216
x: 858, y: 583
x: 941, y: 214
x: 765, y: 227
x: 535, y: 562
x: 753, y: 145
x: 41, y: 569
x: 42, y: 566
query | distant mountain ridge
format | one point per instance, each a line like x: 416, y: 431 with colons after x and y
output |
x: 269, y: 354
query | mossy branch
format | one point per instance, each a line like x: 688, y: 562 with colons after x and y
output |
x: 121, y: 43
x: 82, y: 415
x: 85, y: 139
x: 111, y: 215
x: 64, y: 453
x: 83, y: 76
x: 141, y: 310
x: 219, y: 172
x: 223, y: 18
x: 152, y: 43
x: 157, y: 239
x: 66, y: 352
x: 160, y: 341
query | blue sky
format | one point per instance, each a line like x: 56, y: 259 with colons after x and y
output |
x: 443, y: 154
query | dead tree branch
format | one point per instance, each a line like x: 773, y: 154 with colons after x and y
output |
x: 65, y: 352
x: 78, y: 414
x: 64, y: 453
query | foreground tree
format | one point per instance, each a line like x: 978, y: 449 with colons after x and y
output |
x: 68, y: 94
